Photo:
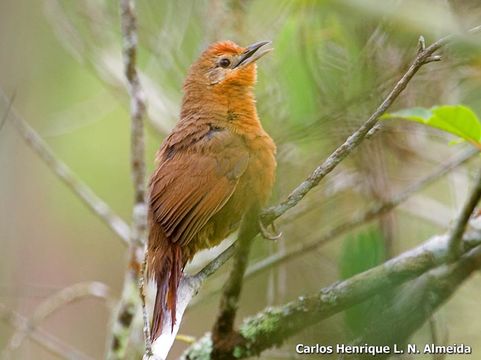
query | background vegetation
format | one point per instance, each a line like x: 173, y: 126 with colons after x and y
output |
x: 332, y: 65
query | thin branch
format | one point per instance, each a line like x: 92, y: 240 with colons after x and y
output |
x: 275, y: 324
x: 215, y: 264
x: 351, y: 224
x: 134, y: 276
x: 457, y: 232
x: 52, y: 304
x: 145, y: 316
x: 474, y: 30
x: 123, y: 316
x: 46, y: 340
x: 93, y: 202
x: 7, y: 111
x: 433, y: 331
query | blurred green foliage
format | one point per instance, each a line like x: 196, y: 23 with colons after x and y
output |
x: 362, y: 252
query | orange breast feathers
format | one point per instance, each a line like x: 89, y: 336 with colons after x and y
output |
x: 217, y: 163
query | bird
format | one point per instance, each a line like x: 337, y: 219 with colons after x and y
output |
x: 216, y: 165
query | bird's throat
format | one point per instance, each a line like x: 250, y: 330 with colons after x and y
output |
x: 233, y: 106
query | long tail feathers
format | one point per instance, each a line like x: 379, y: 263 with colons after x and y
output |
x: 167, y: 276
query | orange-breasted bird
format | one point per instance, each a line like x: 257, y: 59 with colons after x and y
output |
x: 216, y: 165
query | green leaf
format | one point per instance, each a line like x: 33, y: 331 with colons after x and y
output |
x: 458, y: 120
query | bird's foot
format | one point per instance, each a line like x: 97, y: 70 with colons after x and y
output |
x: 267, y: 233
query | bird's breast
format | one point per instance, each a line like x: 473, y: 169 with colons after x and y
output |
x: 260, y: 173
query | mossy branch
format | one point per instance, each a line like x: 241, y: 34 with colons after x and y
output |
x: 274, y: 325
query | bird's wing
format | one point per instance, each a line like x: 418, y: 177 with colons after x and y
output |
x: 192, y: 184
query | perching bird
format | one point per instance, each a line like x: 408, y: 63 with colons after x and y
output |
x: 216, y: 165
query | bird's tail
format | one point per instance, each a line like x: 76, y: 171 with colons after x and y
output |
x: 167, y: 272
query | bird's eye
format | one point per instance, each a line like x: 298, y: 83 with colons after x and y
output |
x: 224, y: 62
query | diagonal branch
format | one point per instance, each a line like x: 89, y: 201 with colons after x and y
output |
x: 7, y: 111
x: 93, y: 202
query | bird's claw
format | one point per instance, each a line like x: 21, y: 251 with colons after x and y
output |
x: 268, y: 234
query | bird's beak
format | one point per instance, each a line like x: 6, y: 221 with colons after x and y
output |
x: 253, y: 53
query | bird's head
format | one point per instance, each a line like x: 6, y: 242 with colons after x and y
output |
x: 226, y: 63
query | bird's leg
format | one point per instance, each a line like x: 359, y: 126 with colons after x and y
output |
x: 269, y: 234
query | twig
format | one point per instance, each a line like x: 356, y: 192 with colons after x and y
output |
x: 434, y: 331
x: 134, y: 276
x: 185, y: 338
x: 459, y: 227
x: 123, y: 316
x: 273, y: 325
x: 7, y: 111
x: 53, y: 303
x: 145, y: 316
x: 93, y: 202
x: 356, y: 221
x: 46, y: 340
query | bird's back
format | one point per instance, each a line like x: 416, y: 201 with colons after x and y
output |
x: 217, y: 168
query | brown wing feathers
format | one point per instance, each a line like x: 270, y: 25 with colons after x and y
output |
x: 188, y: 188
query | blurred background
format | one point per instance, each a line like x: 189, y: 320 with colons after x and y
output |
x: 333, y: 63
